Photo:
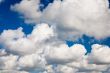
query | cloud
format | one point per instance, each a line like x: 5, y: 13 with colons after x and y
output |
x: 73, y: 18
x: 43, y: 52
x: 29, y: 9
x: 32, y: 62
x: 64, y: 54
x: 65, y: 69
x: 100, y: 54
x: 12, y: 71
x: 16, y: 42
x: 8, y: 62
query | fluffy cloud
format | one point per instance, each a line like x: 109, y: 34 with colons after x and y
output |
x: 42, y: 52
x: 15, y: 41
x: 100, y: 54
x: 29, y: 9
x: 31, y: 62
x: 63, y: 54
x: 8, y: 62
x: 68, y: 16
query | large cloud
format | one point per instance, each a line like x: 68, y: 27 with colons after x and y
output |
x: 70, y: 17
x: 42, y: 52
x: 17, y: 42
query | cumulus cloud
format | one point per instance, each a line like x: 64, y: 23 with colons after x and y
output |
x: 44, y: 51
x: 8, y: 62
x: 32, y: 62
x: 100, y: 54
x: 64, y: 54
x: 41, y: 51
x: 17, y: 42
x: 29, y: 9
x: 71, y: 17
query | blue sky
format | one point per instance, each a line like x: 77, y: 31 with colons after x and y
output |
x: 12, y: 20
x: 44, y: 49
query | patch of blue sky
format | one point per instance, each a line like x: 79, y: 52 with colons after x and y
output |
x: 12, y: 20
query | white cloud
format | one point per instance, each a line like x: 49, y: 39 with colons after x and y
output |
x: 9, y: 35
x: 8, y: 62
x: 32, y: 62
x: 16, y: 42
x: 29, y: 9
x: 41, y: 51
x: 41, y: 32
x: 100, y: 54
x: 63, y: 54
x: 71, y: 17
x: 65, y: 69
x: 12, y: 71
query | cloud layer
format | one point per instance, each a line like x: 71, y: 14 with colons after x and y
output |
x: 72, y: 17
x: 42, y: 52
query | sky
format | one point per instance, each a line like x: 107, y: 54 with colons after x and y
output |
x: 11, y: 20
x: 57, y: 24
